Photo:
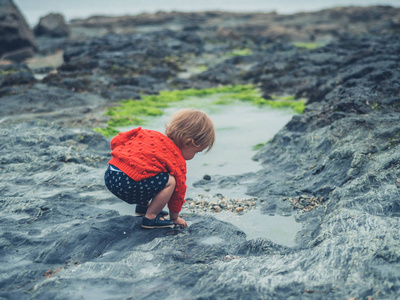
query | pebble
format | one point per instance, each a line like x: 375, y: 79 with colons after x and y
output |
x: 219, y: 203
x: 207, y: 177
x: 305, y: 203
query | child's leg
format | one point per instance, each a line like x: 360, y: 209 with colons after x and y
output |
x: 161, y: 199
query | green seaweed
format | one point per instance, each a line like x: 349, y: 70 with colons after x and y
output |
x: 223, y: 102
x: 258, y: 146
x: 298, y: 106
x: 241, y: 52
x: 307, y: 46
x: 107, y: 131
x: 375, y: 106
x: 284, y: 98
x: 200, y: 69
x: 132, y: 112
x: 7, y: 71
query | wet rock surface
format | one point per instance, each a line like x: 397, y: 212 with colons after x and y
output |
x: 16, y: 40
x: 52, y: 25
x: 335, y: 167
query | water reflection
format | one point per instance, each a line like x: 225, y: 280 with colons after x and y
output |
x: 278, y: 229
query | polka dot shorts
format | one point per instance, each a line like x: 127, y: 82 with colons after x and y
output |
x: 131, y: 191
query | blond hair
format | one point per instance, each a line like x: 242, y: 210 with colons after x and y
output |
x: 191, y: 124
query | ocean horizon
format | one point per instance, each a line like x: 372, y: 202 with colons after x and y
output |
x: 33, y: 10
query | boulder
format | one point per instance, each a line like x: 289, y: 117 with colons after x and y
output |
x: 52, y: 25
x: 16, y: 39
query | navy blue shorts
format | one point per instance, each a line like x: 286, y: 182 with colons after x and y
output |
x: 131, y: 191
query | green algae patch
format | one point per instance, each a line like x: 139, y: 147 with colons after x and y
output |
x: 241, y: 52
x: 107, y: 131
x: 7, y: 72
x: 298, y: 105
x: 308, y: 46
x: 258, y: 146
x: 199, y: 69
x: 134, y: 112
x: 253, y: 96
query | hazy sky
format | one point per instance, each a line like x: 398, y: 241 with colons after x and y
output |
x: 34, y: 9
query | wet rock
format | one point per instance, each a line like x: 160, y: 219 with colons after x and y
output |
x: 52, y: 104
x: 18, y: 55
x: 72, y: 234
x: 121, y: 92
x: 262, y: 246
x: 18, y: 78
x: 161, y: 73
x: 207, y: 177
x: 145, y: 62
x: 15, y: 75
x: 52, y: 25
x: 16, y: 41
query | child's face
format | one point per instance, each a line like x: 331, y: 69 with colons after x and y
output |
x: 188, y: 152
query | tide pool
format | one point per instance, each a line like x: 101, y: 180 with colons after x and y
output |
x: 239, y: 127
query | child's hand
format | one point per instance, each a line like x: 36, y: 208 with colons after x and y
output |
x: 181, y: 222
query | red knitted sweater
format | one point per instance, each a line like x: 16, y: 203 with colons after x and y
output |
x: 142, y: 153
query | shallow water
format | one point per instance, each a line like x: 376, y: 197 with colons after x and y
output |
x: 278, y: 229
x: 239, y: 127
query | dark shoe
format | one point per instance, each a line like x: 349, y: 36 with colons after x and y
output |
x: 156, y: 223
x: 141, y: 211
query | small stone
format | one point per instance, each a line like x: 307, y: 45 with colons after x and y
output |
x: 239, y: 209
x: 217, y: 209
x: 398, y: 181
x: 207, y: 177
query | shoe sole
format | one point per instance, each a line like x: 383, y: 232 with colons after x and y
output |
x: 138, y: 214
x: 154, y: 227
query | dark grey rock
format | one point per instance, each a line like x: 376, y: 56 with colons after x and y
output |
x: 16, y: 39
x: 19, y: 55
x: 15, y: 75
x: 52, y: 25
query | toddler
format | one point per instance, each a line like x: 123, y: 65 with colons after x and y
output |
x: 148, y: 168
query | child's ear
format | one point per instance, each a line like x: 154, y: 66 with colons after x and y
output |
x: 188, y: 142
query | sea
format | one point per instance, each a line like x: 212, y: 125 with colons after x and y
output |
x: 33, y: 10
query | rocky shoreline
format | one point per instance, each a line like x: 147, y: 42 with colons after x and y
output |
x: 336, y: 167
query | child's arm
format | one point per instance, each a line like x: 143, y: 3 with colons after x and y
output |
x: 174, y: 217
